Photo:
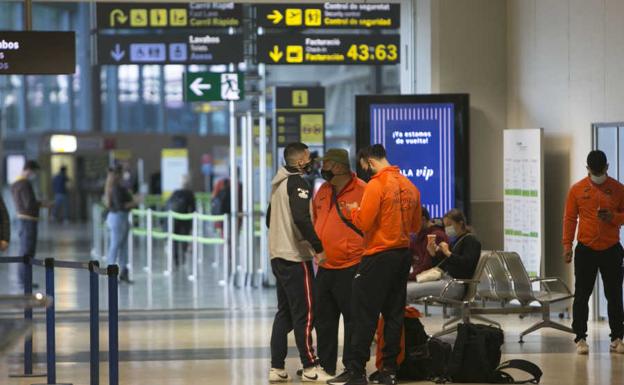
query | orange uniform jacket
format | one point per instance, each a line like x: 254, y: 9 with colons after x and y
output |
x: 584, y: 200
x: 343, y: 246
x: 389, y: 212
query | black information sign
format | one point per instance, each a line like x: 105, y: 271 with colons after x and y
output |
x: 328, y: 49
x: 300, y: 117
x: 192, y: 48
x: 140, y: 15
x: 329, y: 15
x: 37, y: 53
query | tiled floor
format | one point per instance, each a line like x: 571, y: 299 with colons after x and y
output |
x: 172, y: 332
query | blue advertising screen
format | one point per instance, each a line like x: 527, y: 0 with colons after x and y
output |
x: 420, y: 139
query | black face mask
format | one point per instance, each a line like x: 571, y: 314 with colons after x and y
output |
x: 367, y: 174
x: 307, y: 168
x: 328, y: 175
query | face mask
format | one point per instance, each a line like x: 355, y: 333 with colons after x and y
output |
x: 598, y: 179
x: 328, y: 175
x: 307, y: 168
x: 450, y: 231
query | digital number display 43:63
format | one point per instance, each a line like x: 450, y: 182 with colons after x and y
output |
x: 379, y: 52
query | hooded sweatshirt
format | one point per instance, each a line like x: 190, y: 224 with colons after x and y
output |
x: 291, y: 232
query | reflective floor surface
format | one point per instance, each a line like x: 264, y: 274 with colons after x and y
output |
x: 174, y: 332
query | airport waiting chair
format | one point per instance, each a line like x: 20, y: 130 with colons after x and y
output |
x: 495, y: 284
x: 464, y: 305
x: 552, y: 290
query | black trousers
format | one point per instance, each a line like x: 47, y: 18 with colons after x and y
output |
x: 333, y: 297
x: 295, y: 305
x: 587, y: 263
x: 379, y: 286
x: 181, y: 228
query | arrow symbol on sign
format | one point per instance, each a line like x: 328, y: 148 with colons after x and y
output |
x: 275, y: 17
x: 119, y: 16
x: 276, y: 54
x: 118, y: 53
x: 198, y: 87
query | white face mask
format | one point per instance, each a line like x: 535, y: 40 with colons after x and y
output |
x: 450, y: 231
x: 598, y: 179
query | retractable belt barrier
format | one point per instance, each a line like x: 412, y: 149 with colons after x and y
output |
x: 93, y: 267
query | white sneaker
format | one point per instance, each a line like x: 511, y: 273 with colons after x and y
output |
x: 582, y: 347
x: 278, y: 376
x: 315, y: 374
x: 617, y: 346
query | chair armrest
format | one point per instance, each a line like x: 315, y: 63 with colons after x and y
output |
x: 547, y: 280
x: 457, y: 281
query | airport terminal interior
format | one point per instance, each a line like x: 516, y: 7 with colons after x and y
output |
x: 149, y: 237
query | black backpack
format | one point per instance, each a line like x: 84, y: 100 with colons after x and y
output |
x: 220, y: 203
x: 178, y: 203
x: 425, y: 358
x: 476, y: 357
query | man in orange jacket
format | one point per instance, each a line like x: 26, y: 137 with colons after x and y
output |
x: 344, y: 246
x: 597, y: 204
x: 390, y: 211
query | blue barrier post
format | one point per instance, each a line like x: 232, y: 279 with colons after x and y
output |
x: 94, y: 321
x: 50, y: 322
x: 113, y: 319
x: 28, y: 315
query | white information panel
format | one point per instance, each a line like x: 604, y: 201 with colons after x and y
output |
x: 175, y: 167
x: 523, y: 196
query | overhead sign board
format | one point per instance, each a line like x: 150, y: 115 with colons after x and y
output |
x: 210, y: 86
x: 329, y: 49
x: 140, y: 15
x: 329, y: 15
x: 192, y: 48
x: 38, y: 52
x: 299, y: 117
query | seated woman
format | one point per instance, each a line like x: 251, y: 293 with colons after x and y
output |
x: 423, y: 245
x: 459, y: 260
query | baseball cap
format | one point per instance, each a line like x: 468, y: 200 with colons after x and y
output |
x: 337, y: 155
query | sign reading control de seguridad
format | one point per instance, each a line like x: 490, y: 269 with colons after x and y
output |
x: 210, y: 86
x: 37, y: 53
x: 140, y: 15
x: 329, y: 15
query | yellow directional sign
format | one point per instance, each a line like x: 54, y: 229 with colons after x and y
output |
x: 178, y: 17
x: 117, y: 16
x: 313, y: 17
x: 300, y: 98
x: 275, y: 17
x: 158, y: 17
x: 294, y: 54
x: 138, y: 17
x: 276, y: 54
x: 294, y: 17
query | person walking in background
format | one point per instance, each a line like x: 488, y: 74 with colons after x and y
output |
x: 182, y: 201
x: 292, y: 245
x: 390, y: 211
x: 27, y: 207
x: 5, y: 226
x: 344, y: 246
x: 119, y: 202
x: 61, y: 202
x: 596, y: 205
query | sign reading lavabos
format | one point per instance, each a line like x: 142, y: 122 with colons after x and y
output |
x: 328, y: 49
x: 329, y: 15
x: 37, y: 53
x: 140, y: 15
x: 210, y: 86
x: 192, y: 48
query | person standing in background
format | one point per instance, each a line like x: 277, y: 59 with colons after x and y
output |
x: 119, y: 202
x: 596, y: 205
x: 182, y: 201
x: 5, y: 226
x: 27, y: 207
x: 61, y: 202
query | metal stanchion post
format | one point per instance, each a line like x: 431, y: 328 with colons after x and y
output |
x: 194, y: 245
x: 113, y: 327
x: 28, y: 314
x: 226, y: 249
x: 170, y: 244
x: 149, y: 241
x: 94, y: 322
x: 50, y: 322
x: 130, y: 246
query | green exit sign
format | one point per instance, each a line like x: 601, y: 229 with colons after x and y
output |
x: 210, y: 87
